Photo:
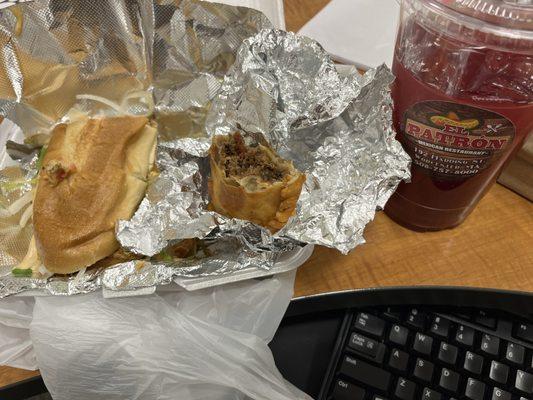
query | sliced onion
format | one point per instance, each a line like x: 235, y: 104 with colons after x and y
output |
x: 79, y: 275
x: 14, y: 229
x: 16, y: 206
x: 144, y: 96
x: 26, y: 215
x: 102, y: 100
x: 41, y: 269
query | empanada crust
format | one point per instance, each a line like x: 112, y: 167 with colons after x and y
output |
x: 271, y: 206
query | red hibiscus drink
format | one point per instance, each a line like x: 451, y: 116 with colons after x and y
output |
x: 463, y: 102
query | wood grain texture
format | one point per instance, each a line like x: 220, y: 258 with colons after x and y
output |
x: 10, y: 375
x: 492, y: 248
x: 298, y: 12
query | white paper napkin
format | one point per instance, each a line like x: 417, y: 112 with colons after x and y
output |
x: 360, y: 32
x: 273, y: 9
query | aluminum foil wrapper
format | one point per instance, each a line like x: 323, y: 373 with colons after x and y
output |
x: 336, y: 129
x: 168, y: 58
x: 202, y: 69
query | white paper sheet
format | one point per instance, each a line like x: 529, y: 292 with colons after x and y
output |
x: 273, y: 9
x: 359, y: 32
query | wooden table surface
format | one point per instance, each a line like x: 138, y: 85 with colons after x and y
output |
x: 493, y: 248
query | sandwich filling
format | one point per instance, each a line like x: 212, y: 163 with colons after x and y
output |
x: 242, y: 161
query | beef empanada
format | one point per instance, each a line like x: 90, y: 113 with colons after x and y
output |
x: 252, y: 182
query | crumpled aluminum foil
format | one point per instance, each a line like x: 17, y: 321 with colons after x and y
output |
x: 203, y: 80
x: 178, y: 54
x: 335, y: 129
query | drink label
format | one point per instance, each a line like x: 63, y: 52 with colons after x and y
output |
x: 454, y: 140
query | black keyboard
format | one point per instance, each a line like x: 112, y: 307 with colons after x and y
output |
x: 418, y: 343
x: 431, y: 354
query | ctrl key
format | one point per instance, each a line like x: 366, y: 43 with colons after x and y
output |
x: 346, y: 391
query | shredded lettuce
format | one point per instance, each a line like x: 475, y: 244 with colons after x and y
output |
x: 18, y: 272
x: 14, y: 185
x: 164, y: 256
x: 11, y: 186
x: 41, y: 157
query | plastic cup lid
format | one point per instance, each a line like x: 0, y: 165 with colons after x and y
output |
x: 517, y: 14
x: 503, y: 24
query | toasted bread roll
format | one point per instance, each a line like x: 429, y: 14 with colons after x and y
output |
x: 94, y: 173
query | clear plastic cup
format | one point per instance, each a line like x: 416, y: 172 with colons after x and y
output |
x: 463, y: 102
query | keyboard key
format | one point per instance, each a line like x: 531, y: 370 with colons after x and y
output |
x: 423, y: 343
x: 525, y: 332
x: 440, y: 326
x: 378, y: 397
x: 346, y: 391
x: 449, y: 380
x: 524, y: 382
x: 473, y: 363
x: 367, y: 347
x: 490, y: 344
x: 370, y: 324
x: 365, y: 373
x: 416, y: 320
x: 465, y: 335
x: 482, y: 318
x: 475, y: 389
x: 398, y: 360
x: 392, y: 314
x: 466, y: 315
x: 515, y: 353
x: 405, y: 389
x: 428, y: 394
x: 499, y: 372
x: 423, y: 370
x: 447, y: 353
x: 498, y: 394
x: 398, y: 335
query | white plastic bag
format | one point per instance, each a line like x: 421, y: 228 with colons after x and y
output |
x: 16, y: 349
x: 209, y: 344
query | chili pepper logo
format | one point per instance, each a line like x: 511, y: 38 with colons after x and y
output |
x: 452, y: 119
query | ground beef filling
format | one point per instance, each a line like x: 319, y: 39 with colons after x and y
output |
x: 241, y: 161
